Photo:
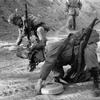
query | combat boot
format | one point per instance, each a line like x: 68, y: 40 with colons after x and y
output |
x: 95, y: 75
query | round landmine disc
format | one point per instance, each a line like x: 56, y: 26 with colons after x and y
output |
x: 52, y: 88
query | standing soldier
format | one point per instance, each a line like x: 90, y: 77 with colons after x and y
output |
x: 72, y: 7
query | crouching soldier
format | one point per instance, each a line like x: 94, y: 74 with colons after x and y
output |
x: 27, y: 25
x: 62, y: 53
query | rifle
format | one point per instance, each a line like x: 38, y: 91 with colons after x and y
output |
x: 83, y: 44
x: 27, y: 29
x: 26, y: 16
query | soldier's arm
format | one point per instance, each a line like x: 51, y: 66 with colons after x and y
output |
x: 46, y: 68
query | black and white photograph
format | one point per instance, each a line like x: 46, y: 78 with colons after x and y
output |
x: 49, y: 50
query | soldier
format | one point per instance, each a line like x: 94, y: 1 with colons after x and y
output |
x: 33, y: 25
x: 61, y: 54
x: 25, y: 26
x: 72, y: 7
x: 27, y: 31
x: 37, y: 50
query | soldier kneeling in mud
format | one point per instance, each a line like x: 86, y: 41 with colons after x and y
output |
x: 61, y: 54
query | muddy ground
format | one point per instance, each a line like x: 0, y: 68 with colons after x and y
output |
x: 16, y: 83
x: 14, y: 77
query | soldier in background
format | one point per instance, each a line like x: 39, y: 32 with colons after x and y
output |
x: 72, y: 8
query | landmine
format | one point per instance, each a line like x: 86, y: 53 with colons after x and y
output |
x: 52, y: 88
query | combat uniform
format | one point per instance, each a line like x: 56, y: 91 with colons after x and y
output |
x: 27, y: 31
x: 33, y: 24
x: 62, y: 54
x: 52, y: 62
